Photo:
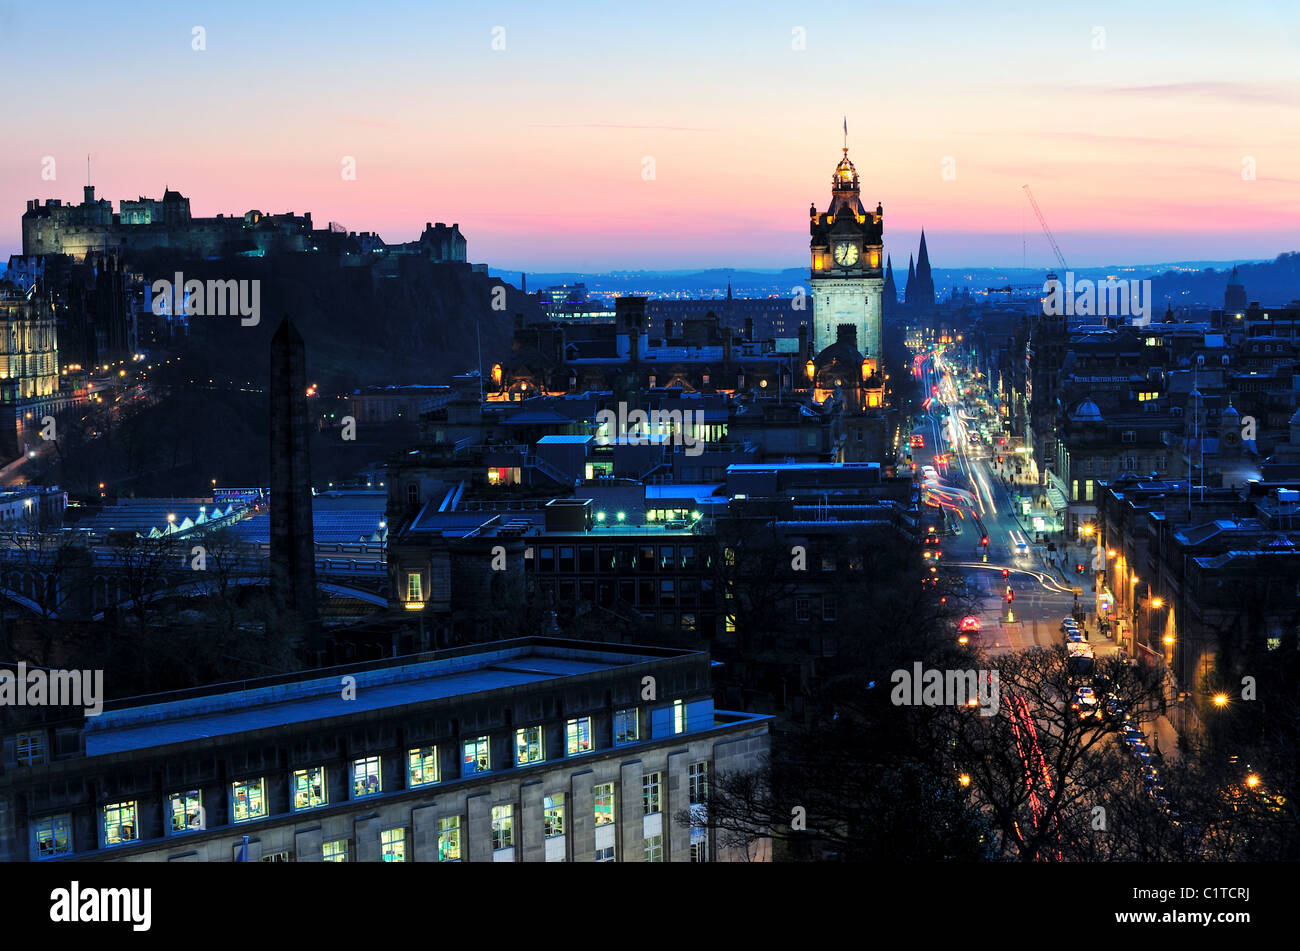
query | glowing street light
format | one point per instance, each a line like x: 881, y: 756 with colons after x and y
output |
x: 1220, y: 700
x: 1157, y: 603
x: 1252, y: 780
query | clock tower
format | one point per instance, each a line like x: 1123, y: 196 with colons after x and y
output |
x: 846, y: 276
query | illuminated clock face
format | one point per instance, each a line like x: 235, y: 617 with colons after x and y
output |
x: 846, y: 254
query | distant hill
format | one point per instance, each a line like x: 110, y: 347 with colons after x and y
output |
x: 1183, y: 283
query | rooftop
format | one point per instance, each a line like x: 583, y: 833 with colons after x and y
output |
x: 187, y: 716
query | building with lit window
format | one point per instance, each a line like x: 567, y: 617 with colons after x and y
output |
x: 536, y: 749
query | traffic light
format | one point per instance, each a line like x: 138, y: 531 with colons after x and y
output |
x: 999, y: 460
x: 1079, y: 568
x: 1011, y: 595
x: 985, y: 540
x: 1006, y: 573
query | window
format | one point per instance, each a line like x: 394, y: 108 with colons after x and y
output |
x: 654, y: 848
x: 412, y: 494
x: 120, y: 823
x: 651, y: 789
x: 449, y: 839
x: 577, y: 735
x: 604, y: 794
x: 422, y: 766
x: 627, y: 726
x: 699, y: 844
x: 477, y: 759
x: 278, y: 857
x: 828, y: 608
x: 392, y: 843
x: 336, y: 851
x: 365, y: 776
x: 699, y: 783
x: 31, y: 749
x: 309, y: 788
x: 249, y: 800
x: 528, y: 746
x: 605, y: 855
x: 53, y: 836
x: 1128, y: 435
x: 503, y: 827
x: 801, y: 609
x: 413, y: 593
x: 553, y: 815
x: 679, y: 716
x: 186, y: 810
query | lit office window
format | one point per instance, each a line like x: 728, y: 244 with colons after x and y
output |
x: 249, y: 799
x: 651, y: 792
x: 392, y: 844
x: 476, y: 756
x: 604, y: 794
x: 699, y: 783
x: 577, y: 735
x: 120, y: 823
x: 336, y: 851
x: 413, y: 593
x: 30, y: 749
x: 679, y: 716
x: 503, y: 827
x: 53, y: 836
x: 627, y: 726
x: 422, y: 766
x: 654, y: 848
x: 528, y: 745
x: 186, y: 810
x: 365, y: 776
x: 449, y: 839
x: 309, y: 788
x: 553, y: 815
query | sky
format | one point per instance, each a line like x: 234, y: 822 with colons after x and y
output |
x: 620, y: 135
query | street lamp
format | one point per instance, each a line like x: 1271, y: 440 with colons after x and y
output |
x: 1220, y: 700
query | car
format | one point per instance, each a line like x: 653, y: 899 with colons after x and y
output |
x: 1135, y: 744
x: 1085, y: 702
x: 970, y: 623
x: 1143, y: 754
x: 1069, y: 622
x: 1073, y: 637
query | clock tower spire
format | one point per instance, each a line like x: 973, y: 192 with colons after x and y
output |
x: 845, y: 276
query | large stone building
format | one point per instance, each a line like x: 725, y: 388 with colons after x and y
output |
x: 29, y: 366
x: 847, y: 275
x: 526, y: 750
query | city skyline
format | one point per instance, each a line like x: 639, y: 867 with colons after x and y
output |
x: 548, y: 154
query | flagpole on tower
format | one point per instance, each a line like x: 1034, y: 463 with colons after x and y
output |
x: 846, y: 135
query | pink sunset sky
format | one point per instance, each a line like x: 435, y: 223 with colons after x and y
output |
x: 1135, y: 150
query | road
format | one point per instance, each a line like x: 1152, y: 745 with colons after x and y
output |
x: 968, y: 487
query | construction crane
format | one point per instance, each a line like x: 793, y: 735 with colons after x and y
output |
x: 1046, y: 230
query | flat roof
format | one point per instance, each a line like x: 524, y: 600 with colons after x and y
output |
x: 319, y: 695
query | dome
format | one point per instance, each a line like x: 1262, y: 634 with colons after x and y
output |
x: 846, y: 176
x: 1230, y: 412
x: 1086, y: 412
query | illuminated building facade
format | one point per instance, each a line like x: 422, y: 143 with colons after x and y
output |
x: 847, y: 273
x: 533, y: 750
